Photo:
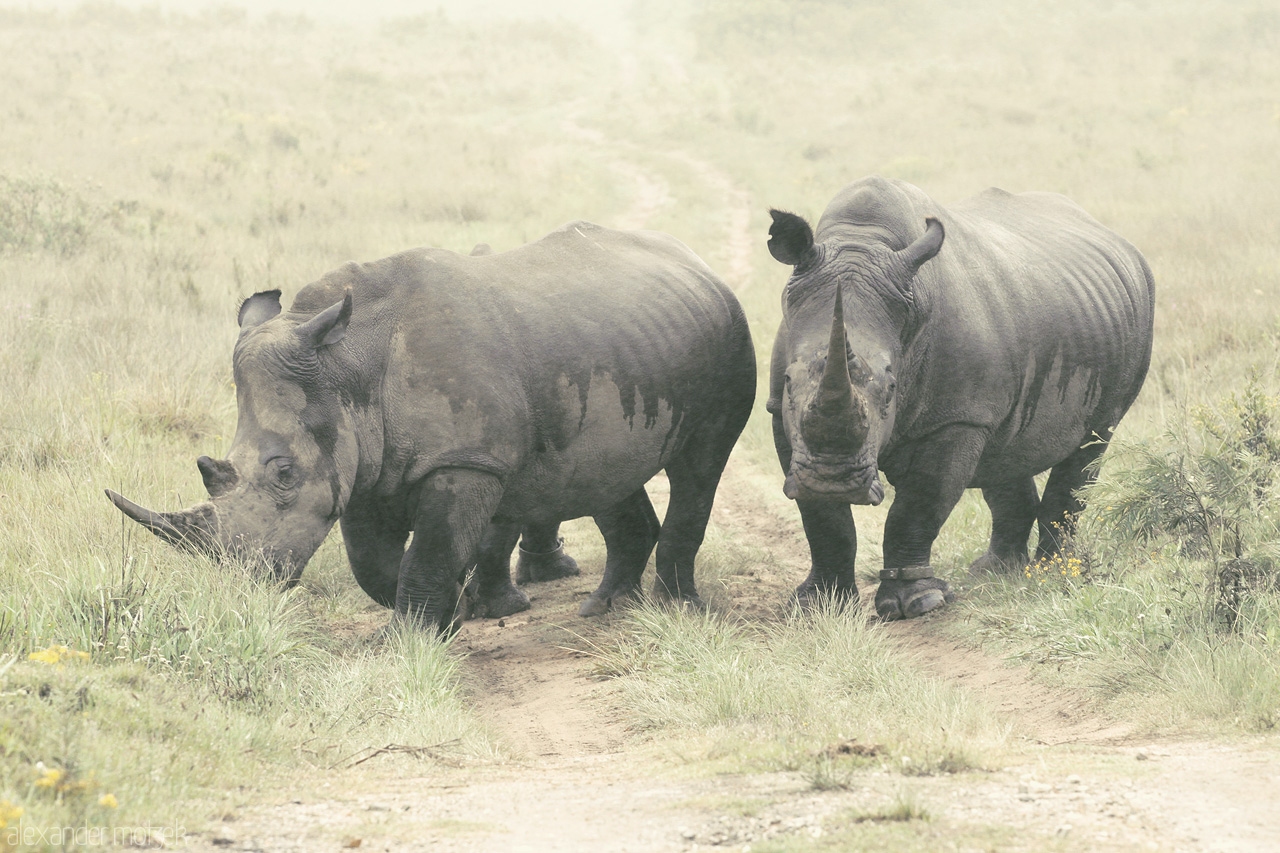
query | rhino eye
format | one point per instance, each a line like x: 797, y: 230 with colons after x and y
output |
x: 282, y: 471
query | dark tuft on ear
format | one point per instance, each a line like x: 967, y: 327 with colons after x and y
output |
x: 790, y: 238
x: 259, y: 308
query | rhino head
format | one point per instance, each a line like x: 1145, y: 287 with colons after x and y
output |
x: 293, y: 460
x: 846, y: 310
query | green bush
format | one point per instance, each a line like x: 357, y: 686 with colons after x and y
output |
x: 42, y: 213
x: 1207, y: 490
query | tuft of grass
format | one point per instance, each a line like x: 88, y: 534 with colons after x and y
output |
x: 801, y: 683
x: 40, y: 212
x: 156, y: 737
x: 905, y: 806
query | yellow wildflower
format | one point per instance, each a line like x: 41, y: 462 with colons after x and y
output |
x: 49, y: 776
x: 8, y: 812
x: 108, y: 800
x: 57, y: 654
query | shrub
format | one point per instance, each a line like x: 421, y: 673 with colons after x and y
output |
x: 1207, y: 489
x: 42, y: 213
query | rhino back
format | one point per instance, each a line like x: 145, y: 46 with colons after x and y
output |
x: 574, y: 364
x: 1035, y: 322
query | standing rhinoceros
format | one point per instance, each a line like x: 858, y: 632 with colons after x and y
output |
x: 1012, y: 346
x: 456, y: 398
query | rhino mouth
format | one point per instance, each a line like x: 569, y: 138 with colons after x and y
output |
x: 266, y: 563
x: 840, y: 481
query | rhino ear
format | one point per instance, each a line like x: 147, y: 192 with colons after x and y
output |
x: 481, y: 249
x: 258, y: 308
x: 329, y: 326
x: 925, y: 246
x: 790, y: 238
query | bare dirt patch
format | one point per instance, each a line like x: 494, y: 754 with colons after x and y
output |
x: 535, y: 690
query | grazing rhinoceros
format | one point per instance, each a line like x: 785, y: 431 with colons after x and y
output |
x: 1013, y: 346
x: 456, y: 398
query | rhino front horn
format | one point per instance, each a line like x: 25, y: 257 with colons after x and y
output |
x: 192, y: 529
x: 836, y: 420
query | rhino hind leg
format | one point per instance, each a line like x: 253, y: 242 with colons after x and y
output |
x: 491, y: 594
x: 694, y: 475
x: 630, y: 529
x: 542, y: 556
x: 1061, y: 506
x: 1013, y: 508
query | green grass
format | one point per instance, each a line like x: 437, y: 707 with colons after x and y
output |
x: 785, y: 695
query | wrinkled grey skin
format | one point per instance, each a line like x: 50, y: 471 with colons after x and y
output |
x: 460, y: 398
x: 972, y: 346
x: 542, y: 558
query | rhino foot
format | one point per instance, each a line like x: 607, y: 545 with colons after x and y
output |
x: 504, y: 602
x: 995, y: 564
x: 687, y: 599
x: 811, y: 595
x: 532, y: 567
x: 911, y: 598
x: 601, y: 601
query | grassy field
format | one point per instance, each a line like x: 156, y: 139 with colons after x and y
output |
x: 160, y: 166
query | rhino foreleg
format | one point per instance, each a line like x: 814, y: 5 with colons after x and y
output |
x: 924, y: 496
x: 1013, y: 508
x: 491, y: 593
x: 375, y: 548
x: 454, y: 509
x: 833, y: 547
x: 542, y: 556
x: 630, y: 530
x: 832, y: 537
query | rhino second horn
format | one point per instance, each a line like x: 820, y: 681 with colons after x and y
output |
x: 219, y: 475
x: 191, y: 529
x: 836, y: 420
